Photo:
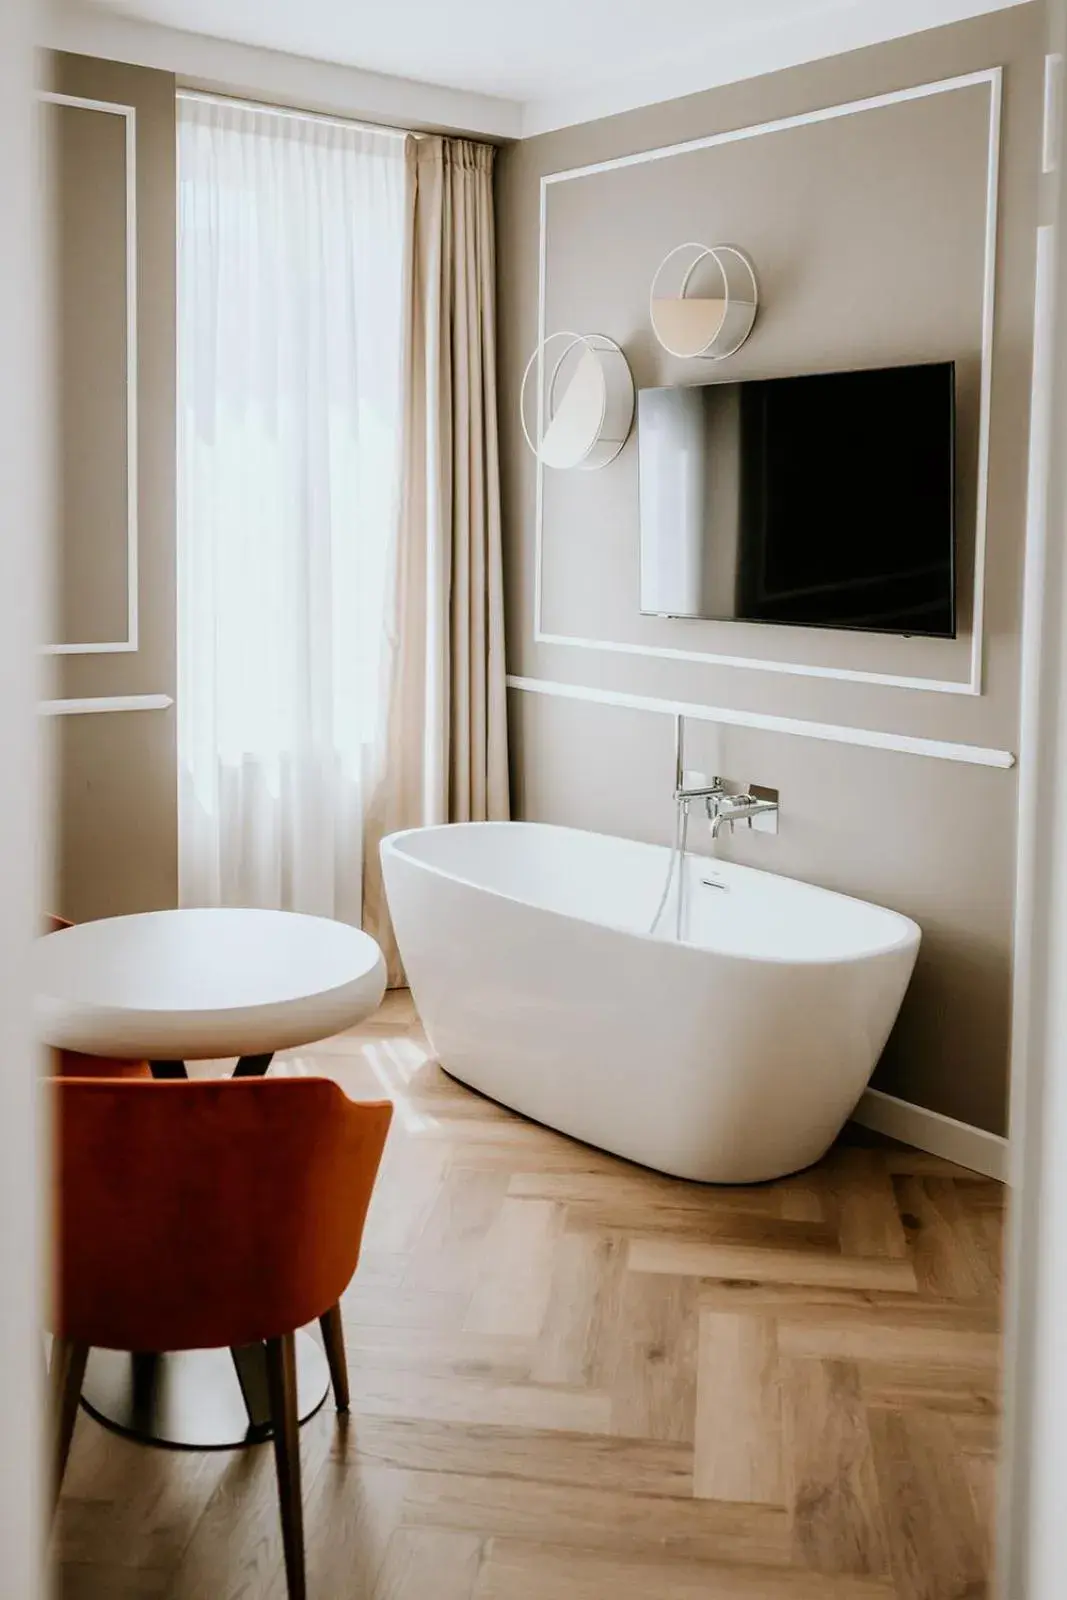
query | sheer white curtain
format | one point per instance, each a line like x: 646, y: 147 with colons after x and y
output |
x: 294, y: 249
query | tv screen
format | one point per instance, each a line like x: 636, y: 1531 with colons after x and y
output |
x: 824, y: 502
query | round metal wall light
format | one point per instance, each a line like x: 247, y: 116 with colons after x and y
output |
x: 713, y: 324
x: 586, y: 405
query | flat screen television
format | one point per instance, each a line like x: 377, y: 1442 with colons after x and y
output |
x: 825, y: 501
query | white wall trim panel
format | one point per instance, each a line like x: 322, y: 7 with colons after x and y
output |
x: 130, y: 643
x: 1053, y: 113
x: 105, y: 702
x: 834, y: 733
x: 972, y: 685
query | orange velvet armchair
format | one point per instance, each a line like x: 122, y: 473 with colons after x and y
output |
x: 72, y: 1064
x: 205, y: 1214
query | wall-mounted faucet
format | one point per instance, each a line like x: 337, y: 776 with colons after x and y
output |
x: 725, y: 801
x: 753, y: 802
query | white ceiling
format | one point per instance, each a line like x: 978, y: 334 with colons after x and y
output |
x: 558, y: 60
x: 512, y: 48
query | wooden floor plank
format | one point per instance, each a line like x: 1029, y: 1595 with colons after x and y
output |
x: 592, y: 1517
x: 949, y: 1260
x: 350, y: 1519
x: 584, y: 1268
x: 936, y: 1545
x: 738, y: 1444
x: 151, y: 1501
x: 818, y: 1268
x: 448, y: 1254
x: 838, y: 1524
x: 981, y: 1474
x: 960, y: 1390
x: 515, y: 1271
x: 424, y: 1562
x: 106, y: 1580
x: 237, y: 1542
x: 645, y: 1355
x: 441, y: 1351
x: 638, y: 1466
x: 865, y: 1208
x: 410, y: 1185
x: 516, y: 1571
x: 402, y: 1307
x: 379, y: 1392
x: 836, y: 1339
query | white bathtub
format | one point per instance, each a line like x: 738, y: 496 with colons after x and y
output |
x: 732, y: 1056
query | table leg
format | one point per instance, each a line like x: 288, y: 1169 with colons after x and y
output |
x: 247, y: 1067
x: 250, y: 1364
x: 168, y: 1069
x: 253, y: 1066
x: 144, y: 1389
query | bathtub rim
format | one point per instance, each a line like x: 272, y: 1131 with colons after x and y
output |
x: 909, y: 940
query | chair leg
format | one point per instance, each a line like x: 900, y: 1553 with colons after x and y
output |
x: 66, y: 1375
x: 281, y: 1378
x: 333, y: 1337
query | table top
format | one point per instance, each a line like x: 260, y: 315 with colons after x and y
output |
x: 200, y: 984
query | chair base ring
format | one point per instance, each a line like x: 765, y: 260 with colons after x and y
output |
x: 192, y: 1399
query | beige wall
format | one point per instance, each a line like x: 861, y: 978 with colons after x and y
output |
x: 90, y: 165
x: 116, y: 785
x: 868, y: 235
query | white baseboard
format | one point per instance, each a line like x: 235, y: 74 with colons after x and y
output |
x: 983, y: 1152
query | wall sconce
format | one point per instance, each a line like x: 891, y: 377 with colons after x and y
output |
x: 586, y: 405
x: 714, y: 323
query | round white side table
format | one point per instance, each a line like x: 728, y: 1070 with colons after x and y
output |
x: 173, y: 986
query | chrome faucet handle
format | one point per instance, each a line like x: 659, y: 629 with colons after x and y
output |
x: 749, y: 804
x: 755, y: 805
x: 706, y: 791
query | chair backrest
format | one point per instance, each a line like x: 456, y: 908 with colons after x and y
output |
x: 219, y: 1212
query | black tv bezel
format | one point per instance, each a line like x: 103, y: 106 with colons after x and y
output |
x: 832, y: 627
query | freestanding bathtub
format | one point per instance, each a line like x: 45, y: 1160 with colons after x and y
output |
x: 730, y: 1056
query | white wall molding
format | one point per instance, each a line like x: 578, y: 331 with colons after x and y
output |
x: 274, y: 76
x: 1053, y: 113
x: 938, y: 1135
x: 972, y: 685
x: 105, y: 702
x: 834, y: 733
x: 130, y: 643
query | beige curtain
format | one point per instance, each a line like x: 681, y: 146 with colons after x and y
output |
x: 444, y: 756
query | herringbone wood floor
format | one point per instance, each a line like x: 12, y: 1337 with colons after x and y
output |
x: 576, y: 1380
